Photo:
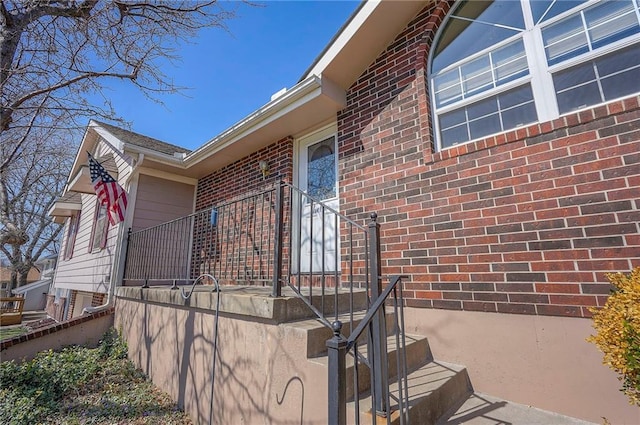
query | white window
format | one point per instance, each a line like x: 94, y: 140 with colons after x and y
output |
x: 504, y: 64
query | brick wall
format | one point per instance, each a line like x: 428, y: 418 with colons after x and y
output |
x: 244, y: 176
x: 72, y: 304
x: 240, y: 249
x: 528, y: 221
x: 97, y: 299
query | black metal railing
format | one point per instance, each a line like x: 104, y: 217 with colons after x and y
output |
x: 278, y: 237
x: 233, y: 241
x: 283, y: 237
x: 384, y: 402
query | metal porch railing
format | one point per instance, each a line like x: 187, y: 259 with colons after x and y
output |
x: 278, y: 237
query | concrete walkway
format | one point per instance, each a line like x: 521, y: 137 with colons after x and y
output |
x: 481, y: 409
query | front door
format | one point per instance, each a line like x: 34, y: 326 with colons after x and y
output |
x: 317, y: 177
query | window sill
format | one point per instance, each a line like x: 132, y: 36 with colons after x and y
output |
x: 564, y: 122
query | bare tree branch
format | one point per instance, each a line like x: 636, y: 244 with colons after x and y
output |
x: 55, y: 55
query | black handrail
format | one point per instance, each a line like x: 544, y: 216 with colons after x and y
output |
x: 373, y: 310
x: 258, y: 239
x: 338, y: 347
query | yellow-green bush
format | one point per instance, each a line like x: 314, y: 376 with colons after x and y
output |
x: 618, y: 331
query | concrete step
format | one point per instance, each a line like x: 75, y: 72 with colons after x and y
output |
x: 433, y: 389
x: 481, y: 409
x: 251, y: 301
x: 417, y: 351
x: 315, y: 334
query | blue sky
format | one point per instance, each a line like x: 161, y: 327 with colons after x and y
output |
x: 231, y: 74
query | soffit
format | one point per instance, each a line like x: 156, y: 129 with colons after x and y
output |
x: 374, y: 26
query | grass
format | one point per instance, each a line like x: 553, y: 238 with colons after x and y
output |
x: 7, y: 333
x: 83, y: 386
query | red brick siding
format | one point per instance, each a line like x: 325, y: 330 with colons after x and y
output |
x: 241, y: 248
x: 244, y: 176
x: 72, y: 304
x: 528, y: 221
x: 97, y: 299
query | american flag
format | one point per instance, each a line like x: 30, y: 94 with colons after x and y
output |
x: 109, y: 192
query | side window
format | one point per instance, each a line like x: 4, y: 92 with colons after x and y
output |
x: 72, y: 231
x: 100, y: 228
x: 504, y: 64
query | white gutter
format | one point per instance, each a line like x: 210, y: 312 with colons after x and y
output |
x: 135, y: 168
x: 108, y: 303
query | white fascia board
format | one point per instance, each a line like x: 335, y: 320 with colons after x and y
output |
x: 341, y: 41
x: 85, y: 145
x: 32, y: 285
x: 293, y: 98
x: 63, y: 209
x: 156, y: 156
x: 80, y: 182
x: 88, y: 144
x: 112, y: 141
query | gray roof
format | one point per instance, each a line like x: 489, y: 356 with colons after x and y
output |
x: 142, y: 141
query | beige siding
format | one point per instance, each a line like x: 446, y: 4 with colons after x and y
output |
x: 159, y: 200
x: 85, y: 270
x: 152, y: 200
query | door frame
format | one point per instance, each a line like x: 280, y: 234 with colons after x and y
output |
x: 300, y: 145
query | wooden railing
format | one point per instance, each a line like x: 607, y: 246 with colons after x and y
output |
x: 11, y: 310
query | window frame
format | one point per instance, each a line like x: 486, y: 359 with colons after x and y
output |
x: 95, y: 244
x: 71, y: 235
x: 540, y: 75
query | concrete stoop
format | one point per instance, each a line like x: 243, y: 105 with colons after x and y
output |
x: 439, y: 393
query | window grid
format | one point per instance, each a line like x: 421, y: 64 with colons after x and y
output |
x: 598, y: 79
x: 499, y: 112
x: 614, y: 40
x: 466, y: 93
x: 585, y: 30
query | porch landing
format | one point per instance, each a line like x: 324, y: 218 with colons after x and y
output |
x: 253, y: 302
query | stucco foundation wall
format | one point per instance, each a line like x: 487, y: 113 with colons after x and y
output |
x: 262, y: 375
x: 540, y: 361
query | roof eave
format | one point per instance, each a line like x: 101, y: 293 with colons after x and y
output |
x: 367, y: 33
x: 264, y: 122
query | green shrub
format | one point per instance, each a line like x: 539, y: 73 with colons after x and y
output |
x: 113, y: 346
x: 83, y: 386
x: 618, y: 331
x: 33, y: 389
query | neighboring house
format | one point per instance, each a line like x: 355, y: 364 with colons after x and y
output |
x: 91, y: 248
x: 498, y: 144
x: 5, y: 274
x: 35, y: 293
